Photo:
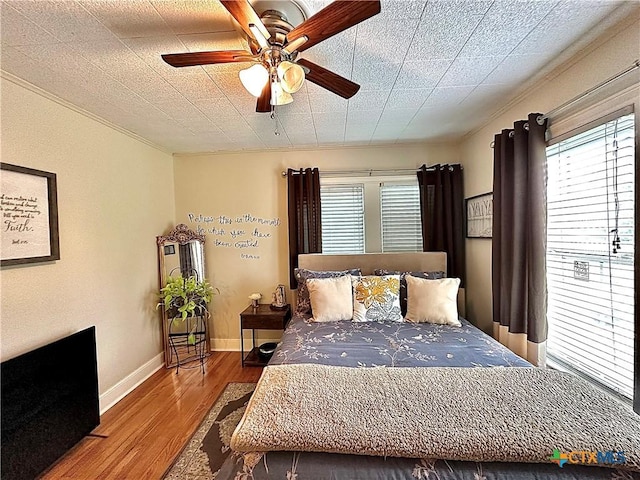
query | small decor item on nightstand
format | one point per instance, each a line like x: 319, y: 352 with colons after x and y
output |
x: 255, y: 298
x: 279, y: 298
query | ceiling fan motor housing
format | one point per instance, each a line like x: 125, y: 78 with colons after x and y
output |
x: 279, y: 17
x: 277, y: 25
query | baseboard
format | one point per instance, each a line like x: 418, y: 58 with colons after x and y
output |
x: 116, y: 393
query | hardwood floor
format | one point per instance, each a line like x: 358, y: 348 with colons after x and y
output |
x: 146, y: 430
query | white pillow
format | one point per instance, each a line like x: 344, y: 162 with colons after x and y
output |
x: 376, y: 298
x: 331, y: 298
x: 432, y: 301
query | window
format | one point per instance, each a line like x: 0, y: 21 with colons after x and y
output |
x: 342, y: 218
x: 370, y: 215
x: 400, y: 217
x: 590, y: 252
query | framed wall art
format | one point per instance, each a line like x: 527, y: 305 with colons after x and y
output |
x: 29, y: 209
x: 480, y: 216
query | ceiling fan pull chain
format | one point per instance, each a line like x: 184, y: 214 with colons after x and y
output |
x: 274, y: 116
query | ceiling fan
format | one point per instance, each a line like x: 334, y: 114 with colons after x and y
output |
x: 275, y: 44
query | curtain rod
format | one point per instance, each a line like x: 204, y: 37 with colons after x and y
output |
x: 541, y: 118
x: 555, y: 111
x: 369, y: 172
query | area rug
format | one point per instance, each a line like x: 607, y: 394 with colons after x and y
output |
x: 207, y: 450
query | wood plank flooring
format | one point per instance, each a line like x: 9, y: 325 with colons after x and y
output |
x: 146, y: 430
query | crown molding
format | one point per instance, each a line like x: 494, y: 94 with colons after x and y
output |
x: 60, y: 101
x: 310, y: 148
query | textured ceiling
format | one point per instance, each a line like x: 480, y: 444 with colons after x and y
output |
x: 429, y: 70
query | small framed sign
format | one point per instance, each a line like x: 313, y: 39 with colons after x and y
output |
x: 480, y: 216
x: 29, y: 208
x: 581, y: 270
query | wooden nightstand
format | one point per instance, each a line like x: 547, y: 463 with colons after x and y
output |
x: 260, y: 318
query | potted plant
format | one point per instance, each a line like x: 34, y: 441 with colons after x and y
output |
x: 186, y: 297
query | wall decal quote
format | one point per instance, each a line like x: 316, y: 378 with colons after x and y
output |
x: 245, y: 232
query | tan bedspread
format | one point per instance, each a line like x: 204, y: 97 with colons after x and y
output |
x: 477, y: 414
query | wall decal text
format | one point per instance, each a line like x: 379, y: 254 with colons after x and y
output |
x: 247, y: 232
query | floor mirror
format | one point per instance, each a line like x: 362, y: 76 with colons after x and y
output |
x: 181, y: 260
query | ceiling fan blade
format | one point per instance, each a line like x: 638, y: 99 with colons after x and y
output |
x: 264, y: 100
x: 246, y: 16
x: 332, y: 19
x: 192, y: 59
x: 329, y: 80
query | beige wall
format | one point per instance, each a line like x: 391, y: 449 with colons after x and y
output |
x: 115, y: 194
x: 234, y: 185
x: 595, y: 64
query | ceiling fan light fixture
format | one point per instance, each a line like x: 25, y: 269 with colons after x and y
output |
x: 291, y: 76
x: 278, y: 95
x: 254, y: 78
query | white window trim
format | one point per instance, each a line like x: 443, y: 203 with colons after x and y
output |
x: 373, y: 227
x: 563, y: 125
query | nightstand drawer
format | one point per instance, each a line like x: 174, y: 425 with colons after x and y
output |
x: 265, y: 323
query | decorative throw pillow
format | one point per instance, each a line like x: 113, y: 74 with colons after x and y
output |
x: 303, y: 305
x: 432, y: 301
x: 403, y: 282
x: 376, y: 298
x: 331, y: 298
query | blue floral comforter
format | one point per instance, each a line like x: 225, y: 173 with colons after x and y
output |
x: 394, y: 344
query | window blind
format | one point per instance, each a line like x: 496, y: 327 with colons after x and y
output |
x: 400, y: 217
x: 590, y: 253
x: 342, y: 218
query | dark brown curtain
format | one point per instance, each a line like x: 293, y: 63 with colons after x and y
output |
x: 519, y: 238
x: 442, y: 214
x: 305, y: 225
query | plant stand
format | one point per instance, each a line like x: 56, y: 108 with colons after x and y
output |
x: 187, y: 342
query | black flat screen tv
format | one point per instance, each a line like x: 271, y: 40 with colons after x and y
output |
x: 49, y: 403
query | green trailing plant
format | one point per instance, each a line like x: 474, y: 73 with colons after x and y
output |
x: 186, y: 297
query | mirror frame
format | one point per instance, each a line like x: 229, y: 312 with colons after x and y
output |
x: 182, y: 235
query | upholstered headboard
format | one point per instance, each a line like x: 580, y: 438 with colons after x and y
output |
x: 368, y: 262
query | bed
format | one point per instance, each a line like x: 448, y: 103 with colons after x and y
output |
x: 399, y: 400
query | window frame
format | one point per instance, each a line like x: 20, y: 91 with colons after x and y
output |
x: 372, y: 202
x: 571, y: 121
